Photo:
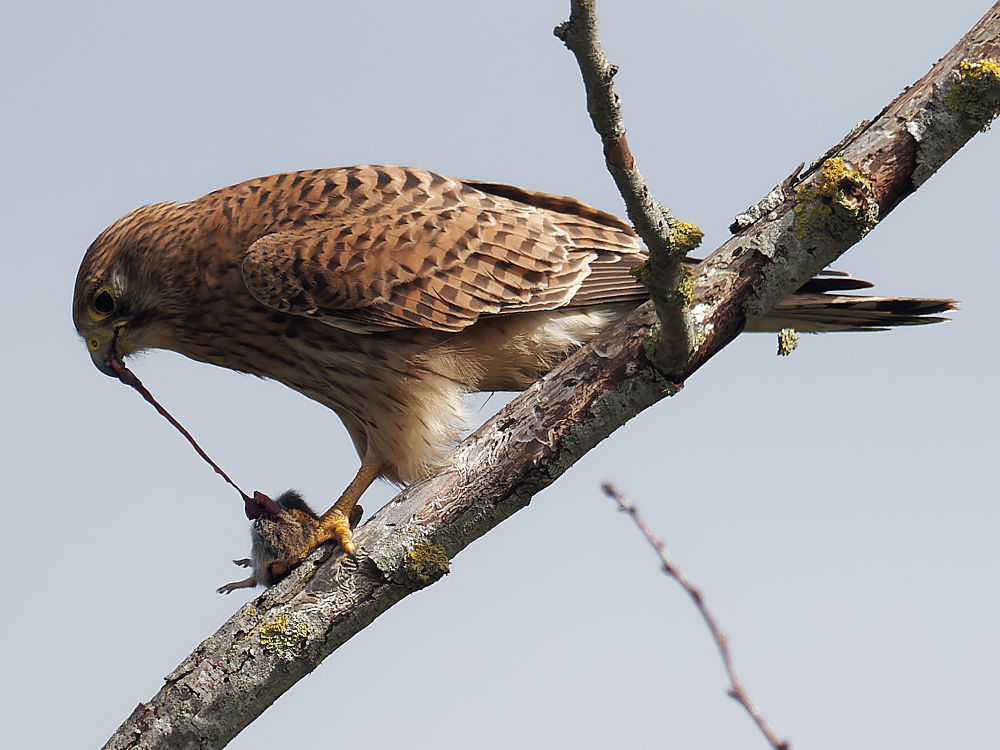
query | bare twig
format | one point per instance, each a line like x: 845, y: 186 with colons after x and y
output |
x: 736, y: 691
x: 669, y: 240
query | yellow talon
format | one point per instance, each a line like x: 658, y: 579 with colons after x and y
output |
x: 335, y: 526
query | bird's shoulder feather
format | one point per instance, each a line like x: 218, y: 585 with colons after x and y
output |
x: 370, y: 247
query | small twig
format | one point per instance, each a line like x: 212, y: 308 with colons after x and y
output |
x: 736, y: 691
x: 669, y: 240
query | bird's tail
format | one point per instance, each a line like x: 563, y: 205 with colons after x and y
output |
x: 820, y: 306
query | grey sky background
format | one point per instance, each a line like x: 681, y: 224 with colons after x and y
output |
x: 838, y: 507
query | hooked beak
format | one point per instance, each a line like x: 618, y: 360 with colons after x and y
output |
x: 105, y: 353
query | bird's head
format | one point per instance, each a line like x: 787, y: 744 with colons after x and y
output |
x: 120, y: 301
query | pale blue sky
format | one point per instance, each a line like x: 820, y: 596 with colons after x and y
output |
x: 837, y: 507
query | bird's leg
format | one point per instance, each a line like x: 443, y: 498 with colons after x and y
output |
x: 336, y: 523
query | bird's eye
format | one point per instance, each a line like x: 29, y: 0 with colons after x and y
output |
x: 104, y: 303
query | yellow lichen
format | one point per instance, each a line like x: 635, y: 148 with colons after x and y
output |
x: 249, y: 612
x: 788, y: 341
x: 426, y: 562
x: 641, y: 273
x: 699, y: 338
x: 285, y: 635
x: 685, y: 287
x: 651, y: 342
x: 685, y: 237
x: 679, y: 296
x: 839, y: 206
x: 682, y: 238
x: 976, y: 94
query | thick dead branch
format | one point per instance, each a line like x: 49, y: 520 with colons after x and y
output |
x: 270, y: 644
x: 669, y: 240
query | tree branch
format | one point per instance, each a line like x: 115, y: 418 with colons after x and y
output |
x: 736, y: 691
x: 669, y: 240
x: 260, y: 652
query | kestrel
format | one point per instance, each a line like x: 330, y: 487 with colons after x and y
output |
x: 387, y: 294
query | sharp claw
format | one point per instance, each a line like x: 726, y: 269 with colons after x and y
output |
x: 349, y: 547
x: 338, y: 529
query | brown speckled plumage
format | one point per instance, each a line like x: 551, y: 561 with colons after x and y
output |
x: 386, y: 293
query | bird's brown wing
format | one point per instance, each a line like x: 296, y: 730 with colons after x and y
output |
x: 396, y: 247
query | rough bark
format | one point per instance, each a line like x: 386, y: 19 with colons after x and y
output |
x: 261, y: 651
x: 668, y: 240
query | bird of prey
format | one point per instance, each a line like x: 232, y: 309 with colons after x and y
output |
x: 388, y: 294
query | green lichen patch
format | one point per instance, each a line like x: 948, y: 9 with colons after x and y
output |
x: 677, y: 295
x: 285, y: 635
x: 425, y: 563
x: 699, y: 338
x: 651, y: 342
x: 685, y: 287
x: 788, y: 341
x: 839, y: 206
x: 685, y: 237
x: 976, y: 94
